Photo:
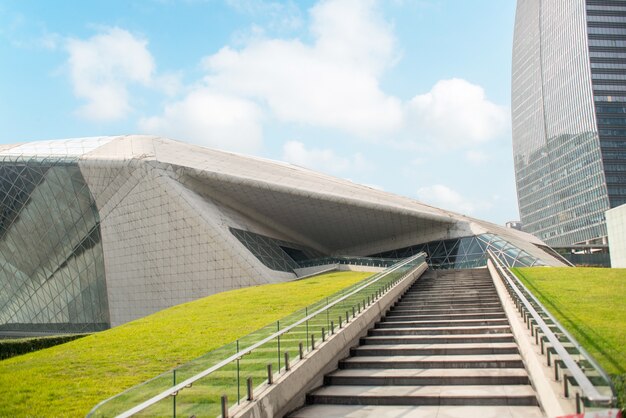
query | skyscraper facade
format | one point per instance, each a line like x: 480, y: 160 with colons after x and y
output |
x: 569, y: 116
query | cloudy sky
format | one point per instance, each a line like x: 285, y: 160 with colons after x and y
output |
x: 409, y: 96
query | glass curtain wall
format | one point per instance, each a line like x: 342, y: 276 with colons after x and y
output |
x: 52, y: 274
x: 561, y: 186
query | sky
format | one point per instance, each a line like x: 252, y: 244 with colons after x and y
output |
x: 408, y: 96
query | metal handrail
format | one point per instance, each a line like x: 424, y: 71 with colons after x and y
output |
x: 173, y: 391
x: 587, y: 388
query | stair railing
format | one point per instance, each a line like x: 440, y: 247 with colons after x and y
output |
x: 551, y: 335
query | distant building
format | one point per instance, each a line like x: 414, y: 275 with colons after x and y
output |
x: 514, y: 225
x: 96, y: 232
x: 616, y: 225
x: 569, y: 117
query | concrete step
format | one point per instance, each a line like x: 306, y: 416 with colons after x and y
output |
x: 467, y: 300
x: 520, y: 395
x: 434, y: 349
x: 413, y: 411
x: 400, y: 316
x: 390, y: 323
x: 433, y: 290
x: 483, y: 361
x: 450, y: 377
x: 438, y: 339
x: 445, y: 311
x: 496, y: 329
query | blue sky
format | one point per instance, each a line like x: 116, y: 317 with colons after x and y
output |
x: 412, y: 97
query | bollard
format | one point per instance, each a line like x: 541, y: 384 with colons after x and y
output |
x: 556, y: 371
x: 270, y: 375
x: 224, y: 406
x: 250, y: 389
x: 287, y: 368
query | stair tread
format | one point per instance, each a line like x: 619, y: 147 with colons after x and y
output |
x: 428, y: 372
x: 397, y: 411
x: 436, y: 357
x: 469, y: 391
x: 435, y: 346
x: 470, y: 327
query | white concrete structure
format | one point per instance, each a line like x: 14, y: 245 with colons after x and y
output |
x: 169, y: 222
x: 616, y: 227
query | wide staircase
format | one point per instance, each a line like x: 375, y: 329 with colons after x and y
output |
x: 444, y: 350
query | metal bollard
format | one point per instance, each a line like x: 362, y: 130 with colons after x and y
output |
x: 224, y: 406
x: 270, y: 375
x: 250, y: 388
x: 556, y: 371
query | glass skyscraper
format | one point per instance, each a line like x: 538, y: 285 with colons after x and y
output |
x: 569, y: 116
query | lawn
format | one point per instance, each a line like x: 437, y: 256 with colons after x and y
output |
x: 69, y: 379
x: 591, y: 304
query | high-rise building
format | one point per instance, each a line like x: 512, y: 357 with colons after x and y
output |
x: 569, y: 116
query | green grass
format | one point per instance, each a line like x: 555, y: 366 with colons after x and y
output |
x: 591, y: 304
x: 69, y: 379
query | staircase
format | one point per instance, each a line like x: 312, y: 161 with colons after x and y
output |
x: 444, y: 350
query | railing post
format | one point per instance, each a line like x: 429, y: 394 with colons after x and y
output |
x: 332, y: 327
x: 238, y: 383
x: 278, y: 345
x: 323, y: 334
x: 287, y: 368
x: 312, y: 341
x: 174, y: 397
x: 301, y: 350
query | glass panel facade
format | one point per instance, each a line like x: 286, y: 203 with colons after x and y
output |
x: 466, y: 253
x: 274, y: 253
x: 51, y: 261
x: 568, y: 94
x: 606, y: 28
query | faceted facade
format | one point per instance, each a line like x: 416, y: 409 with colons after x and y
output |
x: 569, y: 116
x: 96, y: 232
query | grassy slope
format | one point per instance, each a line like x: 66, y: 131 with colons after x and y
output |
x: 590, y: 303
x: 69, y: 379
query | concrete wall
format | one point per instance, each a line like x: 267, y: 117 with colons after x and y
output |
x: 616, y: 226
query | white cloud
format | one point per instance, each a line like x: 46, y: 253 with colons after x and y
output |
x: 324, y: 160
x: 456, y: 113
x: 476, y: 157
x: 446, y: 198
x: 206, y: 118
x: 102, y: 67
x: 331, y: 83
